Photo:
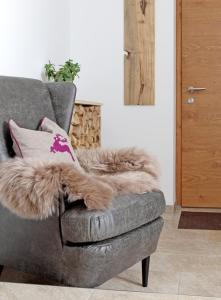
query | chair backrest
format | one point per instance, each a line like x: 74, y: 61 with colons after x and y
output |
x: 27, y: 101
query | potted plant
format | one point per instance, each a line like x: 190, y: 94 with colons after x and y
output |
x: 66, y: 72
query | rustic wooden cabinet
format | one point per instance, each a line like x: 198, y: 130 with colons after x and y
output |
x: 85, y: 130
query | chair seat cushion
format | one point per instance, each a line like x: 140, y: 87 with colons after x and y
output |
x: 127, y: 213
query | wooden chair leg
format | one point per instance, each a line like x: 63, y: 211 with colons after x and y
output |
x: 145, y: 271
x: 1, y: 269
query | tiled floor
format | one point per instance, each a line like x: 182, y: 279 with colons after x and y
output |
x: 12, y: 291
x: 187, y: 262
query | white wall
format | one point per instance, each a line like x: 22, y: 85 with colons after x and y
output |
x: 97, y: 43
x: 34, y: 31
x: 31, y: 33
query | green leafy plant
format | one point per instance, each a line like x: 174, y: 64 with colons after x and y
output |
x: 67, y: 72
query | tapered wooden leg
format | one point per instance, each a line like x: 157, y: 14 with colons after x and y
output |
x: 145, y: 271
x: 1, y: 269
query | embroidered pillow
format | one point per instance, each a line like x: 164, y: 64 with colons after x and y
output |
x: 54, y: 145
x: 48, y: 125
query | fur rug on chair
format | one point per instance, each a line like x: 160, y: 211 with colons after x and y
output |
x: 31, y: 188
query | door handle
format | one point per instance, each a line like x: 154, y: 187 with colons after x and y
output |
x: 192, y: 89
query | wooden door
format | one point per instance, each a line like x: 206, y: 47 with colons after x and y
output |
x: 201, y: 103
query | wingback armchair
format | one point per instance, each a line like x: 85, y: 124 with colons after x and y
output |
x: 75, y: 246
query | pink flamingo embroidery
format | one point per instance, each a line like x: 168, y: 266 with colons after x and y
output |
x: 59, y: 147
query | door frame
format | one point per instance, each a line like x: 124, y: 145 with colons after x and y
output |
x: 178, y: 102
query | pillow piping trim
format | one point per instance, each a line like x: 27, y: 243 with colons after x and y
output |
x: 14, y: 138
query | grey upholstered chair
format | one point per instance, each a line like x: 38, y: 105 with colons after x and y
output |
x: 74, y: 247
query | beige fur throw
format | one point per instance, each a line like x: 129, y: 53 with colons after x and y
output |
x: 31, y: 188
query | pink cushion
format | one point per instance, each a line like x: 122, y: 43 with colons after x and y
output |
x: 50, y: 143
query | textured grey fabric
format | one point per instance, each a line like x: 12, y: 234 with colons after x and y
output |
x: 126, y: 213
x: 29, y: 245
x: 92, y: 265
x: 25, y: 101
x: 40, y: 247
x: 62, y: 96
x: 35, y: 247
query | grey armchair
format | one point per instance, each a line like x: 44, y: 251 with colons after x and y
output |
x: 74, y: 247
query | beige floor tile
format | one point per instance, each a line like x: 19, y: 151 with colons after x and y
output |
x: 202, y: 209
x: 130, y: 280
x: 184, y: 263
x: 170, y: 209
x: 193, y: 246
x: 213, y: 235
x: 115, y: 295
x: 181, y: 297
x: 184, y: 234
x: 13, y: 291
x: 175, y: 215
x: 200, y: 284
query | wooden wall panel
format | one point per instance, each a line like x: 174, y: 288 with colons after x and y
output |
x: 139, y: 46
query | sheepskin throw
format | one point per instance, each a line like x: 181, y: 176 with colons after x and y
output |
x: 31, y: 188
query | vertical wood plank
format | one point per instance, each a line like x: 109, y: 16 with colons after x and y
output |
x: 139, y: 46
